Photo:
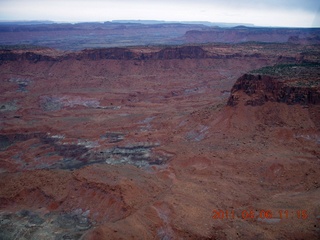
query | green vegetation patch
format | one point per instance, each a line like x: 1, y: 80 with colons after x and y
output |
x: 306, y: 72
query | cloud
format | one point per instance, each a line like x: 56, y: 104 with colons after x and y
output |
x: 265, y: 13
x: 305, y: 5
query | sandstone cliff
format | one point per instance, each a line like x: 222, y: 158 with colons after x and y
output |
x: 181, y: 53
x: 184, y: 52
x: 260, y: 89
x: 165, y: 53
x: 214, y: 51
x: 33, y: 56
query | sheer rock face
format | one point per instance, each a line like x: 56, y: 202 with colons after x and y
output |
x: 168, y: 53
x: 193, y: 52
x: 106, y: 53
x: 125, y: 54
x: 262, y: 88
x: 8, y: 55
x: 181, y: 53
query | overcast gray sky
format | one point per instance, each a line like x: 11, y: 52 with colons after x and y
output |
x: 290, y: 13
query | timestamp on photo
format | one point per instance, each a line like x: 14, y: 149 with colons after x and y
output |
x: 262, y: 214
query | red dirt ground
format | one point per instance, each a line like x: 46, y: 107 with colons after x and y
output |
x: 217, y: 157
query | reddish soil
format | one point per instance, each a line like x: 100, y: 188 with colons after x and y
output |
x: 131, y: 148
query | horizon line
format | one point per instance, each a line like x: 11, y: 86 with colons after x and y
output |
x: 209, y: 23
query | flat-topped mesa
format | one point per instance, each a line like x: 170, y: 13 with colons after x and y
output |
x: 30, y: 55
x: 127, y: 54
x: 54, y: 55
x: 290, y: 84
x: 184, y: 52
x: 106, y: 53
x: 181, y: 53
